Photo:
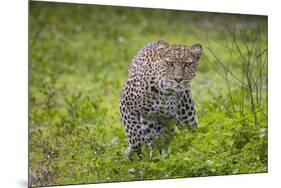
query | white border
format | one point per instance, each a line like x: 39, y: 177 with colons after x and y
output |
x: 230, y: 6
x: 13, y: 93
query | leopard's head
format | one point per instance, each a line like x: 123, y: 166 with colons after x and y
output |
x: 177, y: 65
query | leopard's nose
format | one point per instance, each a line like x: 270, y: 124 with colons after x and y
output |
x: 178, y: 79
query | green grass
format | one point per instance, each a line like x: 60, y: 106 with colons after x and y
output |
x: 79, y: 58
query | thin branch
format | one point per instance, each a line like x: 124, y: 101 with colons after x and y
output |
x: 223, y: 66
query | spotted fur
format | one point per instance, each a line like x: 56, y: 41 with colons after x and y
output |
x: 157, y: 92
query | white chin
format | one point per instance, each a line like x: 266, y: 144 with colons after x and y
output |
x: 168, y: 86
x: 179, y: 89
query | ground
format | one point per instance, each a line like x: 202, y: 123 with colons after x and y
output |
x: 78, y: 61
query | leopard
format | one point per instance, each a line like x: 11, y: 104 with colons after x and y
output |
x: 157, y: 97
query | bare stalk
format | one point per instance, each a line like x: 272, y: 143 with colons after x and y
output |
x: 252, y: 58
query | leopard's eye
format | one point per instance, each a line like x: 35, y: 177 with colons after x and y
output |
x: 187, y: 64
x: 169, y: 63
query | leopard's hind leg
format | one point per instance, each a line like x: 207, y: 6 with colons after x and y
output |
x: 134, y: 134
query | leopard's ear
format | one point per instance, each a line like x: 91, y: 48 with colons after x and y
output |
x: 196, y: 49
x: 162, y: 47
